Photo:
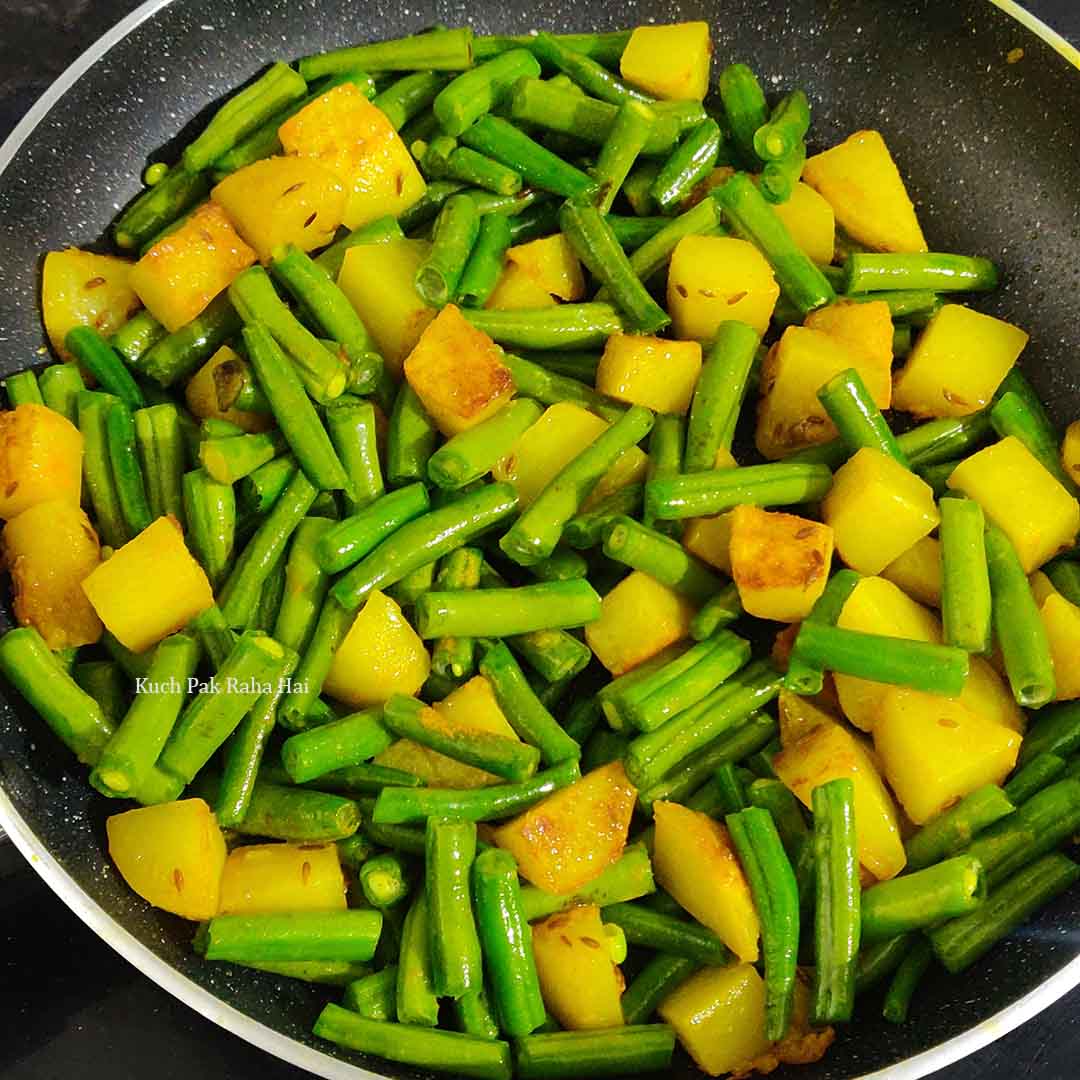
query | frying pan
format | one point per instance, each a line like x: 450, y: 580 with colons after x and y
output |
x: 991, y: 154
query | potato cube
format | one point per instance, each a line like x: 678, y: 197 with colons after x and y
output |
x: 649, y: 371
x: 263, y: 878
x: 346, y: 134
x: 877, y: 509
x: 780, y: 562
x: 863, y: 185
x: 695, y: 861
x: 185, y: 270
x: 828, y: 752
x: 1041, y: 587
x: 811, y: 221
x: 638, y: 618
x: 709, y: 538
x: 202, y: 399
x: 151, y: 587
x: 79, y: 288
x: 473, y: 705
x: 790, y: 416
x: 918, y: 571
x: 517, y: 290
x: 719, y: 1016
x: 172, y: 855
x: 572, y: 836
x: 549, y: 445
x: 580, y: 984
x: 1022, y: 498
x: 379, y: 281
x: 798, y: 717
x: 877, y: 606
x: 935, y: 751
x: 40, y: 459
x: 380, y: 656
x: 1070, y: 451
x: 867, y: 330
x: 957, y: 363
x: 1062, y: 622
x: 283, y: 200
x: 990, y: 697
x: 714, y: 279
x: 551, y: 263
x: 49, y: 550
x: 669, y: 62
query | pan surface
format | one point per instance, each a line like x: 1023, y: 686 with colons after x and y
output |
x: 991, y: 154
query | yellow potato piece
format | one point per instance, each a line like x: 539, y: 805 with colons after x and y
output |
x: 381, y: 655
x: 573, y: 835
x: 798, y: 717
x: 709, y: 538
x: 347, y: 134
x: 283, y: 200
x: 517, y: 290
x: 780, y: 562
x: 638, y: 618
x: 473, y: 705
x: 867, y: 330
x: 185, y: 270
x: 650, y: 371
x: 715, y: 279
x: 877, y: 509
x: 811, y: 221
x: 259, y: 879
x: 580, y: 985
x: 151, y: 587
x: 79, y: 288
x: 918, y: 571
x: 457, y: 372
x: 863, y: 185
x: 828, y: 751
x: 201, y: 396
x: 719, y: 1017
x: 957, y: 363
x: 1062, y: 622
x: 694, y: 860
x: 1070, y: 451
x: 49, y: 550
x: 1022, y: 498
x: 935, y: 751
x: 379, y: 280
x: 172, y: 855
x: 551, y: 263
x: 40, y: 459
x: 669, y: 62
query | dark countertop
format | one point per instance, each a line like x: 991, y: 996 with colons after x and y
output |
x: 71, y: 1004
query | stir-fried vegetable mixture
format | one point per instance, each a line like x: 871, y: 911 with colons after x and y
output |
x: 467, y: 515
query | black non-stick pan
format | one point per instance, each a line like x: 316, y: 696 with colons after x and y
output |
x: 988, y: 138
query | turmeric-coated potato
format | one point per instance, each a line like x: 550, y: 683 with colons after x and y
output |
x: 150, y: 587
x: 669, y: 62
x: 552, y: 264
x: 1070, y: 451
x: 650, y: 371
x: 49, y: 550
x: 262, y: 878
x: 867, y: 330
x: 172, y: 855
x: 516, y: 290
x: 695, y: 861
x: 811, y: 221
x: 1021, y: 497
x: 918, y: 571
x: 185, y: 270
x: 863, y: 185
x: 957, y: 363
x: 579, y: 982
x: 458, y: 373
x: 40, y: 459
x: 709, y: 538
x: 780, y: 562
x: 572, y: 836
x: 1062, y: 622
x: 202, y: 399
x: 80, y: 288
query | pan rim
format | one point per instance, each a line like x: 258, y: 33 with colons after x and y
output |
x: 255, y: 1032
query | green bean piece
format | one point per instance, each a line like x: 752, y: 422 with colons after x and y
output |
x: 347, y: 542
x: 592, y: 77
x: 585, y: 530
x: 626, y: 139
x: 362, y: 779
x: 641, y: 548
x: 475, y: 92
x: 873, y: 271
x: 404, y: 806
x: 485, y: 262
x: 297, y: 814
x: 605, y: 48
x: 856, y: 416
x: 1033, y: 777
x: 373, y: 996
x: 474, y: 1015
x: 1064, y: 575
x: 384, y: 880
x: 472, y: 454
x: 837, y: 921
x: 454, y: 656
x: 573, y: 1055
x: 351, y: 740
x: 452, y: 935
x: 541, y: 218
x: 778, y: 178
x: 904, y: 983
x: 229, y: 459
x: 633, y: 232
x: 717, y: 612
x: 1011, y: 415
x: 563, y: 564
x: 126, y: 469
x: 730, y: 787
x: 352, y: 429
x: 410, y: 439
x: 532, y: 380
x: 159, y: 206
x: 181, y: 353
x: 536, y: 532
x: 786, y: 127
x: 595, y: 244
x: 795, y: 835
x: 538, y: 167
x: 666, y: 445
x: 456, y: 230
x: 1017, y: 624
x: 160, y: 439
x: 409, y: 96
x: 301, y: 935
x: 210, y: 512
x: 437, y: 50
x: 330, y: 630
x: 104, y: 363
x: 713, y: 491
x: 965, y: 594
x: 22, y: 389
x: 745, y: 108
x: 60, y: 385
x: 751, y: 217
x: 93, y: 408
x: 637, y: 188
x: 776, y: 898
x: 654, y: 930
x: 137, y: 335
x: 960, y: 942
x: 804, y: 675
x: 416, y: 999
x: 690, y: 162
x: 880, y: 960
x: 107, y: 684
x: 662, y: 974
x: 215, y: 636
x: 1055, y: 731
